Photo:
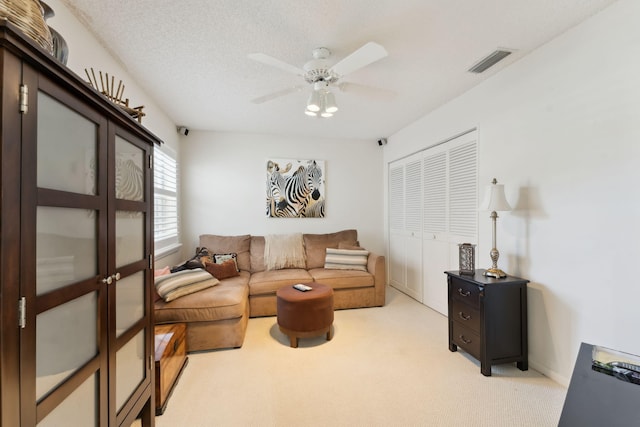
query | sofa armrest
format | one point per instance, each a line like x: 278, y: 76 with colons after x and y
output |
x: 377, y: 267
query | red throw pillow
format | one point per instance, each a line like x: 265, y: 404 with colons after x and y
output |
x: 223, y: 270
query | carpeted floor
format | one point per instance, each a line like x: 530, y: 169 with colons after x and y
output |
x: 387, y: 366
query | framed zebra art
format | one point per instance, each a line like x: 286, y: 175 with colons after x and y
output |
x: 295, y: 188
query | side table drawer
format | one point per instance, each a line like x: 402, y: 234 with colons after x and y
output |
x: 466, y: 339
x: 466, y: 315
x: 465, y: 292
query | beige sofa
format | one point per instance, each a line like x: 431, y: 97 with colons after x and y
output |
x: 217, y: 317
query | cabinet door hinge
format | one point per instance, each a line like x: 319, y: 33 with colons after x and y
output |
x: 151, y: 362
x: 150, y: 261
x: 24, y: 99
x: 150, y: 161
x: 22, y: 312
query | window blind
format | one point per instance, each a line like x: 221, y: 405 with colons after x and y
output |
x: 165, y: 183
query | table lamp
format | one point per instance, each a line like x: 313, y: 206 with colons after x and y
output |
x: 495, y: 201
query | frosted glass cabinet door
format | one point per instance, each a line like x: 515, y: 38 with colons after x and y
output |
x: 130, y: 225
x: 66, y: 148
x: 129, y: 171
x: 128, y: 294
x: 66, y: 247
x: 65, y: 340
x: 129, y: 301
x: 129, y: 237
x: 79, y: 409
x: 130, y: 370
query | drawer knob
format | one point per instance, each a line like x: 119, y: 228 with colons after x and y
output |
x: 464, y: 340
x: 463, y: 292
x: 464, y: 316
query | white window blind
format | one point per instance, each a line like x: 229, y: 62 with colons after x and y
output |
x: 165, y: 183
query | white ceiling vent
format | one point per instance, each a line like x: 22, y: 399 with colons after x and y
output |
x: 490, y: 60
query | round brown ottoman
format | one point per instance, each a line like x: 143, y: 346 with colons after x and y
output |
x: 305, y: 314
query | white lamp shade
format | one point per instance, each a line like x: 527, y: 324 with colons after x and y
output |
x: 330, y: 103
x: 313, y: 104
x: 494, y: 199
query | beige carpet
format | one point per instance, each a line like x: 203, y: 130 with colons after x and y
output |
x: 387, y: 366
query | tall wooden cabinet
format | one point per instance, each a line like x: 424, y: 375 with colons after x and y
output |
x: 76, y: 245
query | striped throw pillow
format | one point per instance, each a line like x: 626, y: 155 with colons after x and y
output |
x: 185, y: 282
x: 346, y: 259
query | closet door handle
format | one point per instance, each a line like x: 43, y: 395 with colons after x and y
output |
x: 116, y: 276
x: 107, y: 280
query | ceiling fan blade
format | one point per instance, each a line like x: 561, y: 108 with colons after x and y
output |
x: 277, y: 94
x: 371, y: 92
x: 370, y: 52
x: 270, y: 60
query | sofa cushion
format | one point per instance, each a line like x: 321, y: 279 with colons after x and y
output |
x: 175, y: 285
x: 316, y: 245
x: 349, y: 245
x: 229, y: 244
x: 257, y: 253
x: 227, y: 300
x: 346, y: 259
x: 268, y: 282
x: 342, y: 279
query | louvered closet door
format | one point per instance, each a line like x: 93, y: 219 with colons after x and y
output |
x: 413, y: 227
x: 450, y: 212
x: 397, y: 254
x: 405, y: 229
x: 435, y: 243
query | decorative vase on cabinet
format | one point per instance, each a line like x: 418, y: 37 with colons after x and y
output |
x: 28, y: 16
x: 60, y: 49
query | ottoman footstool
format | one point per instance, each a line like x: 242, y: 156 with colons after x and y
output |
x: 305, y: 314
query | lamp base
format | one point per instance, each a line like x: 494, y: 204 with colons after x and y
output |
x: 495, y: 272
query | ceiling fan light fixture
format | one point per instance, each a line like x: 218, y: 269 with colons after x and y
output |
x: 314, y: 102
x: 311, y: 113
x: 330, y: 103
x: 326, y: 114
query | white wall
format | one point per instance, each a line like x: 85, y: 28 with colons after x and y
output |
x: 561, y: 129
x: 224, y: 186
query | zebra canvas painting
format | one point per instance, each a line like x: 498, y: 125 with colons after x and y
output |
x: 295, y: 188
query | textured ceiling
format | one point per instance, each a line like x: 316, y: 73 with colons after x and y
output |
x: 191, y: 55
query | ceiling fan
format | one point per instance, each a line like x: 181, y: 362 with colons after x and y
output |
x: 321, y: 75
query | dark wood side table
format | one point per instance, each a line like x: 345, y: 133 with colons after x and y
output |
x: 597, y: 399
x: 171, y: 359
x: 488, y: 318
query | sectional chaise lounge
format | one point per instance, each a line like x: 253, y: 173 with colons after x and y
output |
x: 217, y: 317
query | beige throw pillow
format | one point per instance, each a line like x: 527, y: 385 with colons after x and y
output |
x: 346, y: 259
x: 284, y: 251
